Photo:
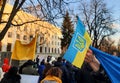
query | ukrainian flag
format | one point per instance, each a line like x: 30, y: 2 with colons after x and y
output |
x: 79, y: 45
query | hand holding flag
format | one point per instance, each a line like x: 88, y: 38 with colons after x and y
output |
x: 77, y: 50
x: 110, y: 63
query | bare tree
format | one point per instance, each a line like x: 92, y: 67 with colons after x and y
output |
x: 107, y: 45
x: 16, y: 6
x: 118, y: 46
x: 46, y: 10
x: 49, y: 10
x: 98, y: 20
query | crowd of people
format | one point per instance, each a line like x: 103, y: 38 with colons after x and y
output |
x: 57, y: 71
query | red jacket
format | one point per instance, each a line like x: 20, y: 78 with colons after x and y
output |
x: 5, y: 66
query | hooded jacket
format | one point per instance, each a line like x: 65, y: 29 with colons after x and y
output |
x: 5, y: 66
x: 11, y: 76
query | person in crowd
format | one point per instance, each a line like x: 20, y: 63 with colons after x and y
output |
x: 11, y: 76
x: 71, y: 70
x: 41, y: 68
x: 91, y: 71
x: 52, y: 60
x: 5, y: 66
x: 64, y: 62
x: 48, y: 59
x: 37, y: 61
x: 27, y: 68
x: 47, y: 67
x: 53, y: 76
x: 65, y: 74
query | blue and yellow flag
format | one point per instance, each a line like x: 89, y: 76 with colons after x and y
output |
x: 24, y: 51
x: 79, y: 45
x: 110, y: 63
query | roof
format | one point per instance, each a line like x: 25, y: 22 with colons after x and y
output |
x: 22, y: 17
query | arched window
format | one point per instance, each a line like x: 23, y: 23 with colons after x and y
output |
x: 18, y: 36
x: 9, y: 34
x: 25, y: 37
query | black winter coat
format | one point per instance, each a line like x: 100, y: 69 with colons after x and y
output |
x: 65, y: 72
x: 8, y: 78
x: 86, y: 75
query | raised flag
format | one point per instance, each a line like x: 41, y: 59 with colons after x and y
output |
x: 79, y: 45
x: 110, y: 63
x: 24, y: 51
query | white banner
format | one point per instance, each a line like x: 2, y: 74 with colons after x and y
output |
x: 29, y: 78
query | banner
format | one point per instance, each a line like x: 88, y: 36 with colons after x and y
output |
x: 24, y: 51
x: 29, y: 78
x: 79, y: 45
x: 110, y: 63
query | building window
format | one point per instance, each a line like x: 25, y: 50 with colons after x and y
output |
x: 52, y: 50
x: 24, y: 37
x: 55, y: 50
x: 58, y: 43
x: 18, y: 36
x: 9, y: 47
x: 56, y: 37
x: 49, y: 49
x: 41, y: 40
x: 40, y: 49
x: 58, y: 50
x: 31, y: 37
x: 45, y: 49
x: 52, y: 43
x: 25, y: 28
x: 9, y: 34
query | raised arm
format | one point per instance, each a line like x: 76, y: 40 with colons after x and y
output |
x: 92, y: 61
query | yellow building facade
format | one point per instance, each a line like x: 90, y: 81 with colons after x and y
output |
x: 48, y: 41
